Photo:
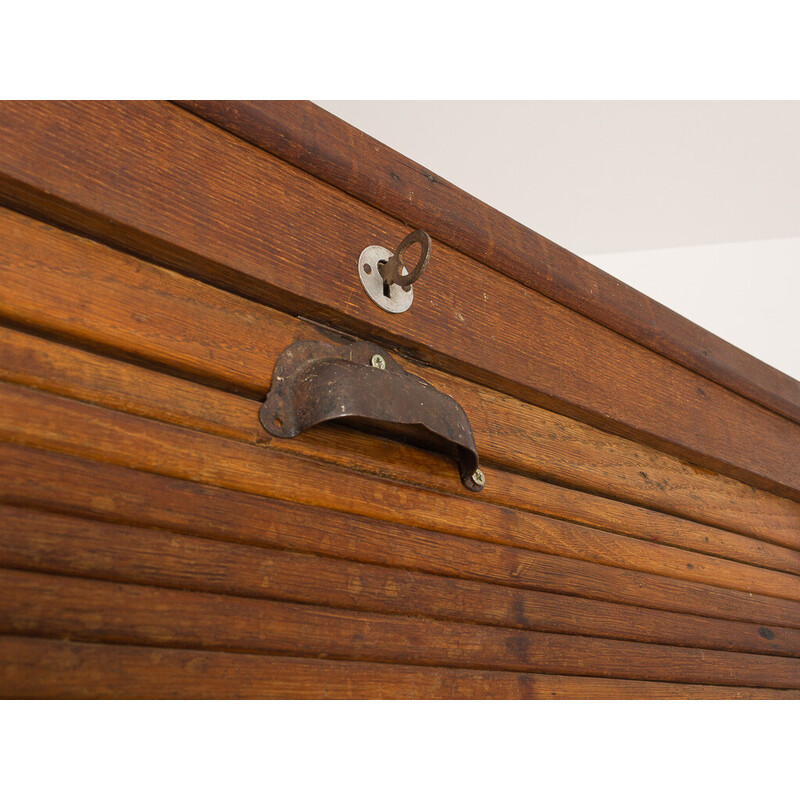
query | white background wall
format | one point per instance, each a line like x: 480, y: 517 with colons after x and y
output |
x: 745, y: 292
x: 696, y: 204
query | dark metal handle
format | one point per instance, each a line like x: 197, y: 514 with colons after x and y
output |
x: 316, y: 382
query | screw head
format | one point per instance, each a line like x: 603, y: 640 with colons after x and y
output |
x: 379, y: 362
x: 479, y: 477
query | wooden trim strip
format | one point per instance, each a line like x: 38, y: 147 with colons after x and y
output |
x: 143, y: 312
x: 266, y: 230
x: 40, y: 419
x: 102, y: 491
x: 34, y: 604
x: 34, y: 540
x: 43, y: 668
x: 328, y: 148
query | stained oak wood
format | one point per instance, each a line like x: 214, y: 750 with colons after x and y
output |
x: 42, y: 668
x: 148, y: 516
x: 38, y: 541
x: 42, y: 479
x: 319, y: 143
x: 47, y: 606
x: 146, y: 312
x: 49, y: 365
x: 41, y: 419
x: 270, y: 231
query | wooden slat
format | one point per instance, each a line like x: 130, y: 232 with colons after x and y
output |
x: 270, y: 231
x: 102, y: 491
x: 50, y: 606
x: 324, y: 145
x: 53, y: 543
x: 41, y: 419
x: 41, y: 363
x: 41, y: 668
x: 148, y: 312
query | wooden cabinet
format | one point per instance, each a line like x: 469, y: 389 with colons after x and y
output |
x: 638, y: 534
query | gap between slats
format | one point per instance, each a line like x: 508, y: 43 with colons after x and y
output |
x: 38, y: 418
x: 44, y: 542
x: 44, y: 668
x: 91, y: 610
x: 98, y: 490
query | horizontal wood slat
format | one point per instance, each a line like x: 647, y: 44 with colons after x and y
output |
x: 41, y: 419
x: 102, y: 491
x: 54, y: 606
x: 34, y: 540
x: 324, y: 145
x: 148, y: 312
x: 41, y: 668
x: 267, y: 230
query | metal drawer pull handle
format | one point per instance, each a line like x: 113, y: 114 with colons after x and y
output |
x: 316, y: 382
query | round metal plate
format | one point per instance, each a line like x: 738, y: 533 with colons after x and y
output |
x: 399, y: 299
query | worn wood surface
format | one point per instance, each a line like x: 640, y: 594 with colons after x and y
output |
x: 36, y: 418
x: 35, y: 604
x: 41, y: 479
x: 41, y: 668
x: 268, y: 230
x: 44, y: 364
x: 144, y: 312
x: 40, y: 541
x: 146, y: 515
x: 325, y: 146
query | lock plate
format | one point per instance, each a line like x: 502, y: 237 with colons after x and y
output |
x: 392, y: 298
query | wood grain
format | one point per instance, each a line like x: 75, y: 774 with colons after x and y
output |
x: 147, y: 509
x: 37, y: 541
x: 102, y: 491
x: 40, y: 419
x: 207, y: 203
x: 41, y: 668
x: 54, y: 606
x: 71, y: 372
x: 144, y: 312
x: 327, y: 147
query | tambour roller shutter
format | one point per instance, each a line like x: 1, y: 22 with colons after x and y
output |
x: 638, y: 533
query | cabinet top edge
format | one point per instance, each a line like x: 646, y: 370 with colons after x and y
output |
x: 334, y: 151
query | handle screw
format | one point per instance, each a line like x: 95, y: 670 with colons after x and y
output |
x: 378, y: 362
x: 479, y: 477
